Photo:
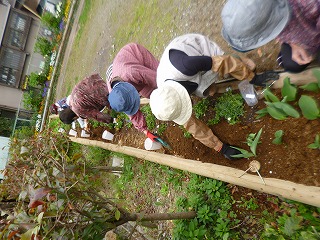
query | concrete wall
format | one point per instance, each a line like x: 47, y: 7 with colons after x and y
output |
x: 10, y: 97
x: 4, y: 14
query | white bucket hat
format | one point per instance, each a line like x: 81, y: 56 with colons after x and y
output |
x: 249, y: 24
x: 171, y: 102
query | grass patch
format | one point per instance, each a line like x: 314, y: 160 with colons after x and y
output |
x: 83, y: 19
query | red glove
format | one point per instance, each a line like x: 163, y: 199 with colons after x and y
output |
x: 152, y: 136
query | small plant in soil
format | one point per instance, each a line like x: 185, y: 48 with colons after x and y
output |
x: 186, y: 134
x: 150, y: 118
x: 278, y: 137
x: 280, y: 110
x: 228, y: 106
x: 316, y: 144
x: 161, y: 128
x: 252, y: 142
x: 201, y: 107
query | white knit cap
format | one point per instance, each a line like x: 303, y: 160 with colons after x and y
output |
x: 171, y: 102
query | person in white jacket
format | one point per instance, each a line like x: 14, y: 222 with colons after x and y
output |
x: 191, y: 64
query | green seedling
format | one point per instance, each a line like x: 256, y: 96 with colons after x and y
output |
x: 277, y: 109
x: 278, y: 137
x: 201, y: 107
x: 228, y: 106
x: 162, y: 127
x: 252, y: 142
x: 186, y: 134
x: 309, y: 107
x: 150, y: 118
x: 289, y: 90
x: 316, y: 144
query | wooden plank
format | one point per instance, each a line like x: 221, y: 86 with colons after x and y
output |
x: 286, y: 189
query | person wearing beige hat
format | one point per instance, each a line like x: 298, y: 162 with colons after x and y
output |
x: 191, y: 64
x: 171, y: 102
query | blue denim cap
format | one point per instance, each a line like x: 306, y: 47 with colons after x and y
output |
x: 124, y: 98
x: 249, y: 24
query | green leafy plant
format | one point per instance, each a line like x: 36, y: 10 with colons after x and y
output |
x: 43, y: 46
x: 162, y: 127
x: 278, y: 137
x: 252, y: 142
x: 250, y: 204
x: 150, y: 118
x: 277, y: 109
x: 297, y: 223
x: 212, y: 202
x: 32, y: 99
x: 36, y: 79
x: 289, y: 90
x: 316, y: 144
x: 201, y: 107
x: 228, y: 106
x: 280, y: 110
x: 309, y: 107
x: 186, y: 134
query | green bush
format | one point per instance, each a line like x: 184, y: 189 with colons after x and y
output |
x: 6, y: 125
x: 49, y: 20
x: 32, y: 99
x: 43, y: 46
x: 36, y: 79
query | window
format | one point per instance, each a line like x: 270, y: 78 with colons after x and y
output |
x: 11, y: 64
x: 17, y: 30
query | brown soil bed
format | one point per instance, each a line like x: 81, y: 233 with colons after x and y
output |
x: 292, y: 160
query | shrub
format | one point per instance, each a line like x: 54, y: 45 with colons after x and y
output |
x: 36, y: 79
x: 32, y: 99
x: 43, y: 46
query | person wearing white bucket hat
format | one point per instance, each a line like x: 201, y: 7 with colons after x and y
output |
x: 249, y: 24
x: 171, y: 102
x: 191, y: 64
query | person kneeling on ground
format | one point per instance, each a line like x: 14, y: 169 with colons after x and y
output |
x: 131, y: 75
x: 191, y: 64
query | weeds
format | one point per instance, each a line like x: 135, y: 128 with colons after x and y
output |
x: 186, y: 134
x: 201, y: 108
x: 212, y: 202
x: 150, y: 118
x: 228, y: 106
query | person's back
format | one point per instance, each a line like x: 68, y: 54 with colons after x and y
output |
x: 136, y: 65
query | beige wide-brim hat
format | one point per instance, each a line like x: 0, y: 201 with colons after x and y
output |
x: 171, y: 102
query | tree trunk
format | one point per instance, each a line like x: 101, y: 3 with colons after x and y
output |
x: 156, y: 217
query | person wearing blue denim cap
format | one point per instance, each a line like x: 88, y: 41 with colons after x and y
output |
x: 125, y: 98
x: 249, y: 24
